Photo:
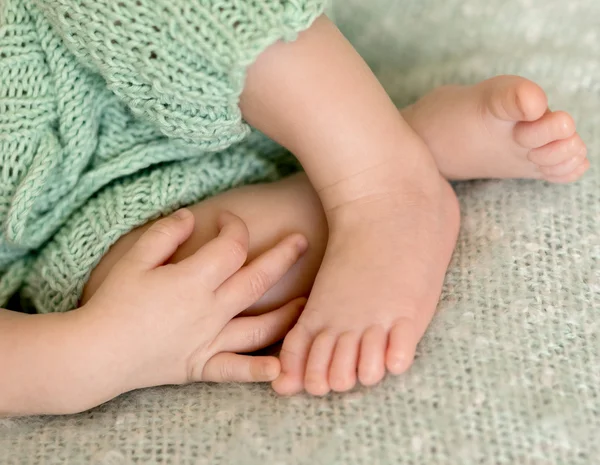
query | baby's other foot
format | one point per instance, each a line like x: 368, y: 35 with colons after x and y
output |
x: 499, y: 128
x: 374, y: 296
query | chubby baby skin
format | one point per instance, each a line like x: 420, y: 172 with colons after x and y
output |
x: 392, y: 218
x: 373, y: 220
x: 380, y: 219
x: 151, y: 323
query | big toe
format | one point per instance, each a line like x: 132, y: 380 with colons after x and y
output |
x: 293, y: 357
x: 287, y: 385
x: 513, y: 98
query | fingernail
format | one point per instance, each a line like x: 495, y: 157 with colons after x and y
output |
x: 182, y: 214
x: 271, y: 371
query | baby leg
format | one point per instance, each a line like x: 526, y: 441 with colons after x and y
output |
x: 393, y: 220
x: 271, y: 212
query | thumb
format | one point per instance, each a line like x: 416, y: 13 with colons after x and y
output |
x: 161, y: 240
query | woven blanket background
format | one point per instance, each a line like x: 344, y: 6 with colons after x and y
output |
x: 509, y: 372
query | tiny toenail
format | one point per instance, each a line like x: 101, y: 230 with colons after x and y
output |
x: 371, y: 378
x: 398, y: 363
x: 395, y: 369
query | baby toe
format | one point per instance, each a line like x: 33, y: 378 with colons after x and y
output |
x: 550, y: 127
x: 293, y: 357
x: 572, y: 176
x: 316, y: 379
x: 402, y: 344
x: 371, y: 365
x: 342, y: 373
x: 566, y: 167
x: 558, y: 151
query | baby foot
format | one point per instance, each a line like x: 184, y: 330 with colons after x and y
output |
x: 499, y: 128
x: 375, y: 294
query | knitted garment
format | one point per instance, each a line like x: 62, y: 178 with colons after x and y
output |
x: 115, y: 112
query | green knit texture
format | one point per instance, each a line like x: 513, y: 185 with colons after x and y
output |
x: 113, y: 113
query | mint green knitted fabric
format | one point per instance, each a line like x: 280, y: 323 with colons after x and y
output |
x: 115, y: 112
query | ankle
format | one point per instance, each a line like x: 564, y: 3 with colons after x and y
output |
x: 405, y: 172
x: 423, y: 193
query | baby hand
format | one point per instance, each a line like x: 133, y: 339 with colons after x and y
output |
x: 174, y: 323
